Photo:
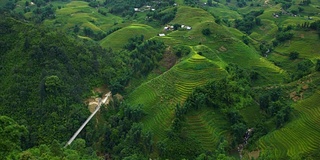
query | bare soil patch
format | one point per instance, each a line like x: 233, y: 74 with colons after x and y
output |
x: 98, y: 92
x: 169, y: 59
x: 92, y: 105
x: 223, y: 49
x: 262, y: 28
x: 254, y: 154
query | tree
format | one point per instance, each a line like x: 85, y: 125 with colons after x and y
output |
x: 56, y: 148
x: 264, y: 100
x: 258, y: 21
x: 283, y: 36
x: 206, y: 32
x: 305, y: 65
x: 10, y: 136
x: 10, y: 5
x: 209, y: 2
x: 88, y: 31
x: 282, y: 116
x: 293, y: 55
x: 181, y: 50
x: 245, y: 40
x: 238, y: 130
x: 26, y: 43
x: 217, y: 20
x: 52, y: 84
x: 318, y: 65
x: 300, y: 9
x: 94, y: 4
x: 76, y: 28
x: 305, y: 2
x: 78, y: 145
x: 176, y: 26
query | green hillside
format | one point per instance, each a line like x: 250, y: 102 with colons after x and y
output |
x: 159, y: 95
x: 190, y: 79
x: 80, y: 13
x: 117, y: 39
x: 207, y: 127
x: 300, y: 137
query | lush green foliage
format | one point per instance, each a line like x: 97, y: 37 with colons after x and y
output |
x: 65, y: 69
x: 249, y: 21
x: 78, y: 150
x: 11, y: 134
x: 292, y: 141
x: 165, y: 16
x: 182, y: 98
x: 293, y: 55
x: 123, y: 135
x: 142, y: 59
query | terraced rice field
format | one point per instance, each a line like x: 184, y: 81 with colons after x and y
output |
x: 206, y: 126
x: 160, y: 95
x: 238, y: 53
x: 266, y: 32
x: 225, y: 13
x: 299, y: 136
x: 306, y: 43
x: 191, y: 16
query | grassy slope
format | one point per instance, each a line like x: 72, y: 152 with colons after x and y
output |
x: 118, y: 39
x: 160, y: 95
x: 306, y: 43
x: 228, y: 38
x: 80, y: 13
x: 302, y: 135
x: 207, y: 126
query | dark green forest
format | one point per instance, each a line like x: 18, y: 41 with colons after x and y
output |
x: 45, y: 77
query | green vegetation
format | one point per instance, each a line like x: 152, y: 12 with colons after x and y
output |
x: 190, y: 79
x: 11, y: 133
x: 53, y: 57
x: 291, y: 141
x: 159, y: 95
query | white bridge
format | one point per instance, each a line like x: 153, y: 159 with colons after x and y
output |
x: 89, y: 118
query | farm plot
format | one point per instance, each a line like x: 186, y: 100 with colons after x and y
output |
x: 300, y: 136
x: 160, y: 95
x: 207, y: 126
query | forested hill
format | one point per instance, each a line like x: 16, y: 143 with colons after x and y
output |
x: 45, y: 76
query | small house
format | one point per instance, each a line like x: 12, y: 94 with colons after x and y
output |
x: 161, y: 35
